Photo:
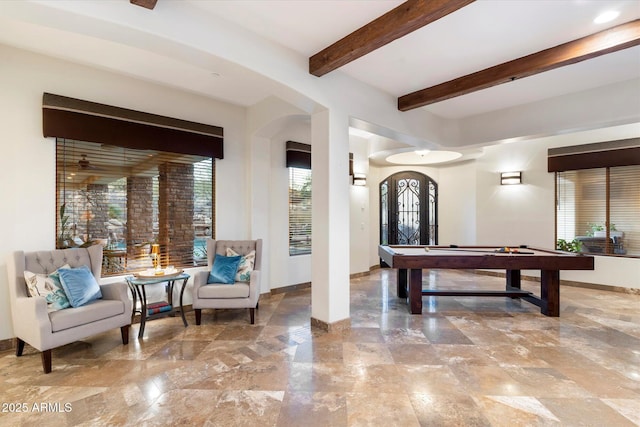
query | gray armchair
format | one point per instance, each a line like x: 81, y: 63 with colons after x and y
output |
x: 43, y: 329
x: 225, y: 296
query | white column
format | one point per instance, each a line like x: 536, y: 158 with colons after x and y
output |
x: 259, y: 176
x: 330, y: 230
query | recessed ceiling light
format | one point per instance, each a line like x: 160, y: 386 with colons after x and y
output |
x: 607, y: 16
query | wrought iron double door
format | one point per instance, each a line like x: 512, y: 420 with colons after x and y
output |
x: 408, y: 210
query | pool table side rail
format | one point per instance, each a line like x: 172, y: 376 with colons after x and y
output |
x: 549, y: 260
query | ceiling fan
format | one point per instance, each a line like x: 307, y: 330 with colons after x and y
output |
x: 84, y: 164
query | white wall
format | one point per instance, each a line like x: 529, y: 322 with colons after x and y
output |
x: 286, y: 270
x: 515, y: 214
x: 27, y: 166
x: 457, y: 194
x: 359, y: 208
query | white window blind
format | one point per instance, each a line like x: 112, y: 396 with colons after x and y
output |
x: 127, y: 199
x: 588, y: 200
x: 299, y: 211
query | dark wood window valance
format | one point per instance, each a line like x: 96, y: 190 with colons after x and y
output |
x: 624, y: 152
x: 299, y: 156
x: 71, y: 118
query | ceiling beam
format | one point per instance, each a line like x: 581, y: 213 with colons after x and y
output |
x: 149, y: 4
x: 398, y: 22
x: 612, y: 40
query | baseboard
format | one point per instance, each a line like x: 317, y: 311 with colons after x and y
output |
x: 574, y: 284
x: 306, y: 285
x: 339, y: 326
x: 7, y: 344
x: 290, y: 288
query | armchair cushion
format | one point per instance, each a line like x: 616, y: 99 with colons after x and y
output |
x: 88, y: 313
x: 224, y: 269
x: 246, y: 265
x: 80, y: 285
x: 49, y: 287
x: 239, y: 290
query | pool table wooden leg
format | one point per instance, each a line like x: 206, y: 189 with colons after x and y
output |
x: 415, y: 291
x: 513, y: 279
x: 402, y: 283
x: 550, y: 292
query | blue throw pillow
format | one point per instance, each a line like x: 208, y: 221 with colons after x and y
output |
x: 224, y: 269
x: 79, y: 285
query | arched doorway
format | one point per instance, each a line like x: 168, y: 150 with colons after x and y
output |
x: 408, y: 209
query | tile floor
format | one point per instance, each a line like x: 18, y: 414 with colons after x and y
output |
x: 465, y: 362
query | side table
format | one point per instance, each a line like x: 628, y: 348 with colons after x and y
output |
x: 137, y: 287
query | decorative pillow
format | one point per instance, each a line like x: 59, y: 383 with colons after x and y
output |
x: 246, y: 265
x: 79, y: 285
x: 49, y: 287
x: 224, y: 269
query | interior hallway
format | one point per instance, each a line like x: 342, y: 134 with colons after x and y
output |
x: 465, y: 362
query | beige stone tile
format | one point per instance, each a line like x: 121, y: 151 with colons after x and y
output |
x: 318, y: 409
x: 378, y: 408
x: 447, y: 410
x: 587, y: 412
x: 516, y: 411
x: 464, y: 362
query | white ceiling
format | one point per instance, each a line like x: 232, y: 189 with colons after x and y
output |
x: 104, y: 34
x: 480, y: 35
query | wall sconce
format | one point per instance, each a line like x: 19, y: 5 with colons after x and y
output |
x: 359, y: 179
x: 510, y: 178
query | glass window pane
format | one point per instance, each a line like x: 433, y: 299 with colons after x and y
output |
x: 299, y: 211
x: 127, y: 199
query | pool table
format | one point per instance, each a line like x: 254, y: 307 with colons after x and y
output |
x: 410, y: 260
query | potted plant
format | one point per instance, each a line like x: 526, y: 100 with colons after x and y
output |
x: 569, y: 246
x: 599, y: 230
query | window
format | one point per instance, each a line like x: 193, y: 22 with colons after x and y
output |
x: 299, y: 211
x: 598, y: 210
x: 127, y: 199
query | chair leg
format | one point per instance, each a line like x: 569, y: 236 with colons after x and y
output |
x: 252, y: 313
x: 198, y: 315
x: 19, y: 347
x: 46, y: 361
x: 124, y: 331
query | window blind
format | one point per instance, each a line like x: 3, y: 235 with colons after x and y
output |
x: 299, y: 211
x: 127, y: 199
x: 600, y: 208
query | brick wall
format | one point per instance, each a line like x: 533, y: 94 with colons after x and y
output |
x: 175, y: 213
x: 139, y: 217
x: 97, y: 211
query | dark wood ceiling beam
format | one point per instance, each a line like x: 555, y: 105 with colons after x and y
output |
x: 398, y: 22
x: 148, y: 4
x: 612, y: 40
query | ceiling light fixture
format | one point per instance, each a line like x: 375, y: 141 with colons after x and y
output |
x: 607, y: 16
x: 423, y: 157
